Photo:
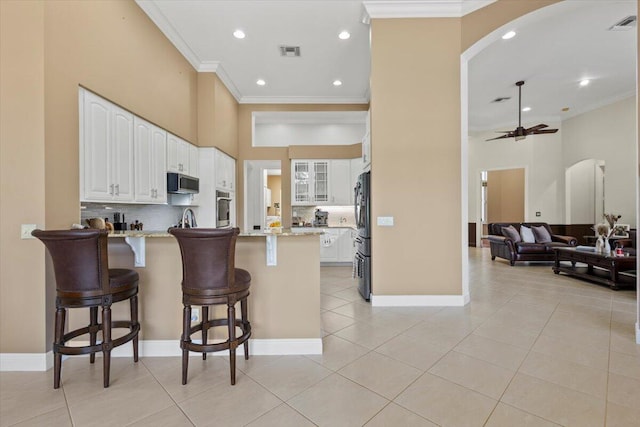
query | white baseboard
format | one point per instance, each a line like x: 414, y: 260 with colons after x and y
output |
x: 638, y: 333
x: 163, y: 348
x: 286, y: 346
x: 26, y: 361
x: 419, y: 300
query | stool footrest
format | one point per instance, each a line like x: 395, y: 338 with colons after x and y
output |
x: 87, y: 349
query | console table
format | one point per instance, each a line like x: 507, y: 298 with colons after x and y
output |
x: 600, y: 268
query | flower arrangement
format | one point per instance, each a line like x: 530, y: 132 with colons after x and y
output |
x: 610, y: 228
x: 605, y: 230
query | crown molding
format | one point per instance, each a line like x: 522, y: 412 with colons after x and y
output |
x: 302, y: 100
x: 153, y: 12
x: 422, y: 8
x: 216, y: 67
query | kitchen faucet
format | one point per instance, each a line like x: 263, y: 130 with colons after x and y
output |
x: 189, y: 215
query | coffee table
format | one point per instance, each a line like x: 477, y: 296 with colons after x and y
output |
x: 600, y: 268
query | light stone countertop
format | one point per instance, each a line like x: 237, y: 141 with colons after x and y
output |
x: 308, y: 231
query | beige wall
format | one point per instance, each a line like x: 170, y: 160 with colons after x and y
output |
x: 217, y: 115
x: 483, y: 21
x: 325, y: 152
x: 415, y: 131
x: 113, y: 49
x: 505, y: 195
x: 49, y: 49
x: 416, y: 146
x: 22, y: 186
x: 247, y: 152
x: 274, y: 183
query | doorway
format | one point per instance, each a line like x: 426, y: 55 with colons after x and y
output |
x: 502, y: 197
x: 584, y: 189
x: 262, y: 194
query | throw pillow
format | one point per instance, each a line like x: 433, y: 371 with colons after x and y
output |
x: 527, y: 234
x: 541, y: 234
x: 511, y: 233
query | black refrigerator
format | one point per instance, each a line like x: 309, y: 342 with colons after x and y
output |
x: 362, y: 261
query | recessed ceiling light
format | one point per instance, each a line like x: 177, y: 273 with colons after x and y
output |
x: 565, y: 109
x: 337, y: 83
x: 584, y: 82
x: 260, y: 82
x: 509, y: 35
x: 525, y: 109
x: 239, y: 34
x: 344, y: 35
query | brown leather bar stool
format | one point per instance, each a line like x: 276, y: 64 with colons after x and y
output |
x: 84, y: 279
x: 209, y: 277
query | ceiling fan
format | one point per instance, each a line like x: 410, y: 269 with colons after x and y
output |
x: 521, y: 133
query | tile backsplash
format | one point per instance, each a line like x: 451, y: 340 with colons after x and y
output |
x: 154, y: 217
x: 338, y: 215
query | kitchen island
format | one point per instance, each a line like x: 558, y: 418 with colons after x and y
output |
x: 284, y: 305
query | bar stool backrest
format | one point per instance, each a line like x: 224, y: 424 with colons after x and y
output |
x: 208, y: 257
x: 80, y: 261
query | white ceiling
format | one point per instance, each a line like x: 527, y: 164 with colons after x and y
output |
x: 554, y: 48
x: 552, y: 51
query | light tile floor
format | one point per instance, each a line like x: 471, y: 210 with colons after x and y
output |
x: 531, y: 349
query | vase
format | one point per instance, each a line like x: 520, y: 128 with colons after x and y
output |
x: 606, y: 248
x: 599, y: 244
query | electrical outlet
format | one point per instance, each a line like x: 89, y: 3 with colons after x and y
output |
x: 26, y: 229
x: 538, y: 214
x: 195, y: 314
x: 385, y: 221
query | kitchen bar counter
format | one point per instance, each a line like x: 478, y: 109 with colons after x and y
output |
x: 301, y: 231
x: 284, y: 305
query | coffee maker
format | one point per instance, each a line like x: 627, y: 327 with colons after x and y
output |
x: 320, y: 219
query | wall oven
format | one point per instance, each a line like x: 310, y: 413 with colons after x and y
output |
x: 223, y: 209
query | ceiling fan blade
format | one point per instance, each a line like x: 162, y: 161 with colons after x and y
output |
x: 537, y: 127
x: 538, y: 132
x: 509, y: 135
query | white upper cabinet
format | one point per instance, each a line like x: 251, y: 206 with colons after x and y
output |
x: 194, y: 162
x: 321, y: 182
x: 150, y: 162
x: 340, y: 179
x: 106, y: 147
x: 300, y: 183
x: 310, y: 182
x: 182, y: 157
x: 225, y: 169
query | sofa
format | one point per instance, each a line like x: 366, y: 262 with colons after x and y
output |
x: 536, y: 243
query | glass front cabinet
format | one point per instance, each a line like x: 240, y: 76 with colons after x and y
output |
x: 310, y: 182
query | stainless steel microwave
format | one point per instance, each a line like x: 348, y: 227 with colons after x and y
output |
x: 178, y: 183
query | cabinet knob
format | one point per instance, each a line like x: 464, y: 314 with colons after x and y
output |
x: 111, y: 189
x: 117, y: 189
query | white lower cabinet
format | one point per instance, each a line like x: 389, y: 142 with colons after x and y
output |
x: 336, y: 245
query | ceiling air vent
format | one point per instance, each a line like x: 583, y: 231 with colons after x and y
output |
x: 290, y: 51
x: 501, y: 99
x: 625, y: 24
